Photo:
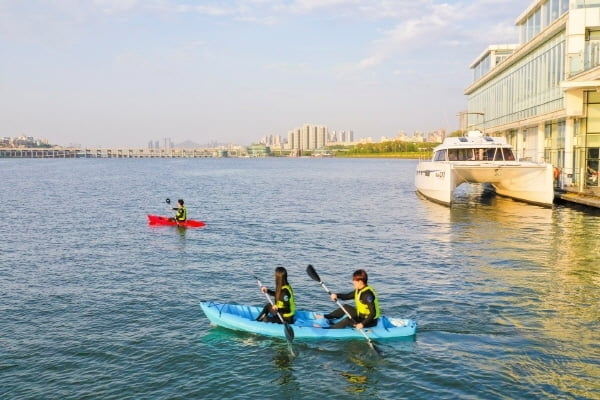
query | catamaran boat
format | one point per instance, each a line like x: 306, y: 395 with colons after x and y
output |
x: 478, y: 158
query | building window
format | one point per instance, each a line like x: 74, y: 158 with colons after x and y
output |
x: 593, y: 162
x: 593, y: 119
x: 561, y: 133
x: 548, y: 131
x: 592, y: 49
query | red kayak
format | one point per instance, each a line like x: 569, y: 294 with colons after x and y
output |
x: 158, y: 220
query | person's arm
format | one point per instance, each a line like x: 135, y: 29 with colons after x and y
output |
x: 345, y: 296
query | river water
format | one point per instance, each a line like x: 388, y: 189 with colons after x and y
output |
x: 94, y: 303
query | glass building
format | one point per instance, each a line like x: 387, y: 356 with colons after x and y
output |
x: 543, y: 94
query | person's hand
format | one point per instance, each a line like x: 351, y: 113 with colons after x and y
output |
x: 274, y: 307
x: 263, y: 289
x: 359, y: 326
x: 333, y: 297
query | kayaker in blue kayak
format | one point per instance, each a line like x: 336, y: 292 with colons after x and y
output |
x: 366, y: 312
x: 181, y: 212
x: 284, y: 300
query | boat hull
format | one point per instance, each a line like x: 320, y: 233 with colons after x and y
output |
x: 242, y: 318
x: 525, y: 181
x: 166, y: 221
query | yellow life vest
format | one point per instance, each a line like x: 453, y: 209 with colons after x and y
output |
x: 363, y: 309
x: 181, y: 214
x: 281, y: 304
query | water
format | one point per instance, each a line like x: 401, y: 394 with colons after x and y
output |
x: 94, y: 303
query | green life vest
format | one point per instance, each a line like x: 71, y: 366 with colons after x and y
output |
x: 281, y: 304
x: 363, y: 309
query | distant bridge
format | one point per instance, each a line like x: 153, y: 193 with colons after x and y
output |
x: 71, y: 152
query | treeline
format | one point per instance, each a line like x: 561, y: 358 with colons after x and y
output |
x: 390, y: 148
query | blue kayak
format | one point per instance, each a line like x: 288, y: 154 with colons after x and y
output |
x: 243, y: 318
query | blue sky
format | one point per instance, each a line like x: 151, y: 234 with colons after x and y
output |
x: 123, y: 72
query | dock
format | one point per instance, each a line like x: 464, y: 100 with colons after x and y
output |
x: 579, y: 198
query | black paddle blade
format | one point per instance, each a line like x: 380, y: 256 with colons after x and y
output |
x: 375, y: 349
x: 168, y: 201
x: 289, y: 332
x: 312, y: 273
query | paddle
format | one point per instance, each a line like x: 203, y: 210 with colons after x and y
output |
x: 289, y: 331
x: 310, y: 270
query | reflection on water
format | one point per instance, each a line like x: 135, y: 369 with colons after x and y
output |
x: 537, y: 270
x: 283, y: 364
x: 356, y: 383
x: 181, y: 230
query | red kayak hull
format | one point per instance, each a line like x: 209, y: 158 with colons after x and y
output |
x: 159, y: 220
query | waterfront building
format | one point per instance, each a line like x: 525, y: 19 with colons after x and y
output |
x: 543, y: 94
x: 258, y: 150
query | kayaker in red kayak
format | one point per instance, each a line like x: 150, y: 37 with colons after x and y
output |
x: 367, y: 310
x: 284, y: 300
x: 181, y: 214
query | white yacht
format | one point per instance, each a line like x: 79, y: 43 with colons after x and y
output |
x: 478, y: 158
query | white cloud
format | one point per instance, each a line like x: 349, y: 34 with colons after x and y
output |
x: 116, y: 6
x: 437, y: 26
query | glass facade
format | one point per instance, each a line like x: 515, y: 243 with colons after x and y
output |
x: 544, y: 98
x: 493, y: 58
x: 528, y: 88
x: 541, y: 17
x: 482, y: 67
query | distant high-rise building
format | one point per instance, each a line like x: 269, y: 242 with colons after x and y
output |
x: 346, y: 137
x: 332, y: 137
x: 313, y: 137
x: 308, y: 137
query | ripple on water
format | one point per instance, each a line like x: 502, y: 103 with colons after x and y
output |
x: 97, y: 304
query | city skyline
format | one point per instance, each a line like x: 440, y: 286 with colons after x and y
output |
x: 107, y: 73
x: 304, y: 137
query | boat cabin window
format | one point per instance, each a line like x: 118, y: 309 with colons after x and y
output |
x: 495, y: 154
x: 440, y: 155
x: 460, y: 154
x: 475, y: 155
x: 508, y: 154
x: 482, y: 154
x: 464, y: 154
